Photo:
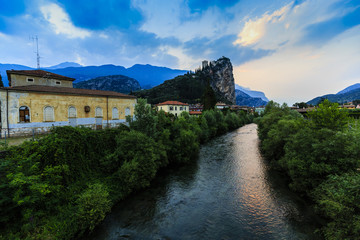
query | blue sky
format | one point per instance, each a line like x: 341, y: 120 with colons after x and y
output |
x: 291, y: 50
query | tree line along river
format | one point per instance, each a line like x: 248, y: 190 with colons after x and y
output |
x: 228, y: 193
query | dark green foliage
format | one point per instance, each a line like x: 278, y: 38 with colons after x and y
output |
x: 313, y: 153
x: 338, y: 199
x: 328, y: 115
x: 208, y: 99
x: 64, y: 184
x: 188, y: 88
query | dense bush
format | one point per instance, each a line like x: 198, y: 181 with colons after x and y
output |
x: 321, y: 155
x: 62, y: 185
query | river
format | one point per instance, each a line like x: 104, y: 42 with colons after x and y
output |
x: 228, y: 193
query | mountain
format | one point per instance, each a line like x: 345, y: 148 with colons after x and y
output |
x: 4, y: 67
x: 190, y: 87
x: 65, y: 65
x: 244, y: 99
x: 340, y: 98
x: 117, y: 83
x: 251, y: 93
x: 350, y: 88
x: 147, y: 75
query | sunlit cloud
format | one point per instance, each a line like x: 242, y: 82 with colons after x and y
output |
x: 61, y: 23
x: 300, y: 73
x: 254, y: 30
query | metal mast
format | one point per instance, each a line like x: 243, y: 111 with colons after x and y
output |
x: 37, y: 52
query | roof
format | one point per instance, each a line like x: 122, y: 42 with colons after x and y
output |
x: 67, y: 90
x: 38, y: 73
x: 172, y: 103
x: 195, y: 113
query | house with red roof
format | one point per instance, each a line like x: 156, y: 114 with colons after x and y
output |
x: 173, y: 107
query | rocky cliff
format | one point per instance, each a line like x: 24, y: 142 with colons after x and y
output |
x: 190, y: 87
x: 222, y: 78
x: 117, y: 83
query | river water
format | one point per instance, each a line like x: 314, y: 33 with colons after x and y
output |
x: 228, y: 193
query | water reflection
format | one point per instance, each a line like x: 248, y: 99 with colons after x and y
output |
x: 227, y: 194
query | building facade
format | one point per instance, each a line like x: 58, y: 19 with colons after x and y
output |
x: 45, y: 103
x: 173, y: 107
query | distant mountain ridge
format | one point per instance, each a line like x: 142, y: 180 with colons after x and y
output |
x: 117, y: 83
x: 350, y: 88
x: 244, y: 99
x: 251, y: 93
x: 147, y: 75
x: 64, y: 65
x: 348, y: 94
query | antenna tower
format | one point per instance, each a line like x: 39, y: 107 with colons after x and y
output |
x: 37, y: 51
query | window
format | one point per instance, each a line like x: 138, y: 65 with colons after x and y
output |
x: 30, y: 80
x: 24, y: 114
x: 115, y: 113
x: 171, y: 108
x: 175, y: 108
x: 49, y: 114
x: 185, y: 108
x: 72, y: 112
x: 58, y: 83
x: 127, y: 112
x: 98, y: 112
x: 180, y: 108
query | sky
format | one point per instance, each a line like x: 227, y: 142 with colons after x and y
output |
x: 293, y: 51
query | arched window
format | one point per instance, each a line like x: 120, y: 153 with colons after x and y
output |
x: 49, y: 114
x: 127, y: 111
x: 24, y: 114
x: 98, y: 112
x: 72, y: 112
x: 115, y: 113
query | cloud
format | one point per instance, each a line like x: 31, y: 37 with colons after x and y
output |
x: 61, y: 23
x: 254, y: 30
x: 299, y: 22
x: 300, y: 73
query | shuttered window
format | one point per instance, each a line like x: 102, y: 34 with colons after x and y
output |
x: 72, y: 112
x: 49, y: 114
x: 115, y: 113
x: 127, y: 111
x: 98, y: 112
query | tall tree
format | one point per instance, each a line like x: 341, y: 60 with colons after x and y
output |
x: 209, y: 97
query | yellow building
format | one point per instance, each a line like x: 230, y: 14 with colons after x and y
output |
x: 38, y: 100
x: 173, y: 107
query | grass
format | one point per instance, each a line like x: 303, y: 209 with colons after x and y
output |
x: 13, y: 141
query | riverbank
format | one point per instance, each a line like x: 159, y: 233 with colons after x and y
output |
x: 64, y: 184
x: 320, y: 156
x: 228, y: 193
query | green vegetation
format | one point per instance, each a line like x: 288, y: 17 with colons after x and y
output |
x: 63, y: 184
x: 188, y: 88
x: 321, y: 157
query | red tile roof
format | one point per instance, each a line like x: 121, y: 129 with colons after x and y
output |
x: 172, y: 103
x: 38, y: 73
x: 195, y: 113
x: 67, y: 90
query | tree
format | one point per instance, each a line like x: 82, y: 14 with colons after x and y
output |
x: 301, y: 105
x: 144, y: 118
x: 209, y: 97
x: 328, y: 115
